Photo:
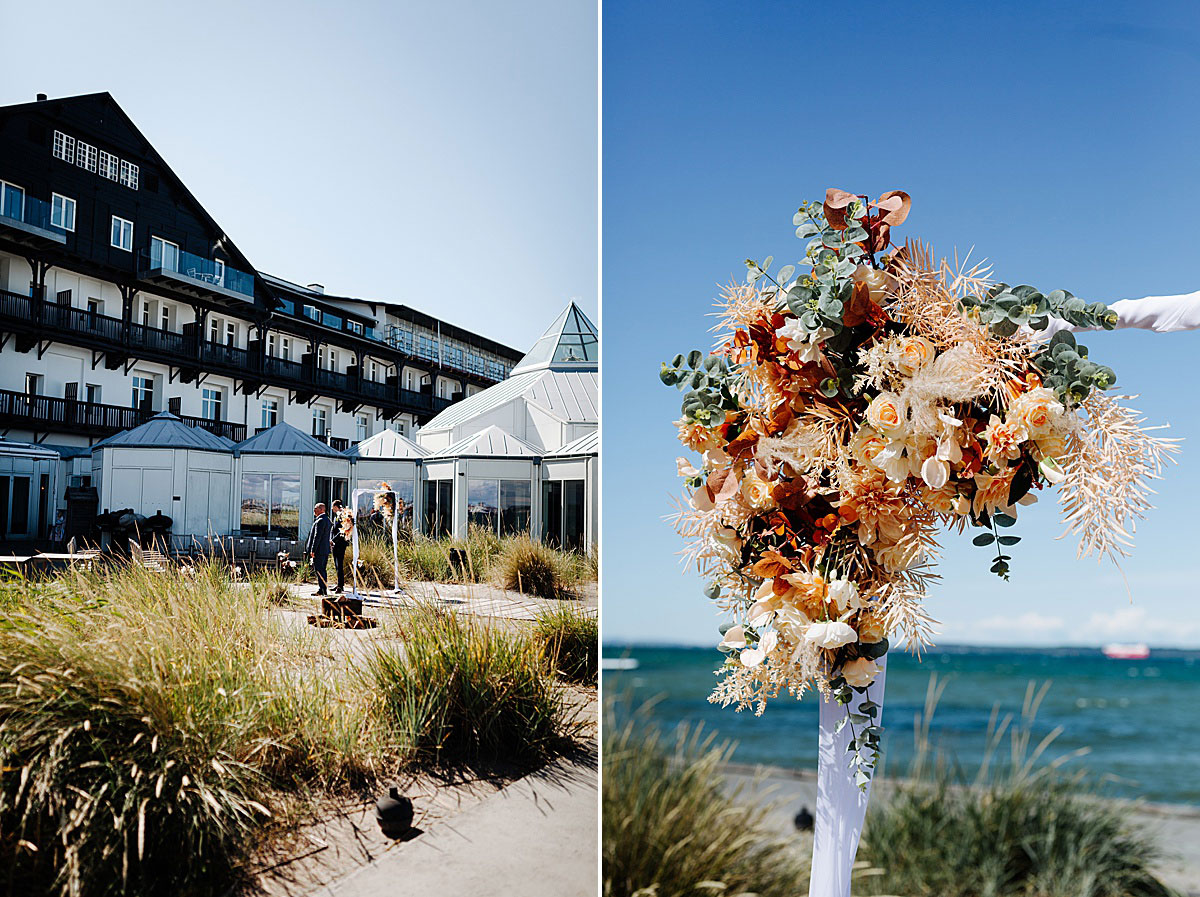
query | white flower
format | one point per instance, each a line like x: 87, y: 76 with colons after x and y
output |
x: 752, y: 657
x: 727, y: 537
x: 844, y: 594
x: 935, y: 472
x: 893, y: 462
x: 735, y: 637
x: 1053, y: 473
x: 831, y: 635
x: 805, y: 344
x: 701, y: 500
x: 685, y: 467
x: 860, y: 672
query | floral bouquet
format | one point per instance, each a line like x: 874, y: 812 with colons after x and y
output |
x: 385, y: 501
x: 849, y: 414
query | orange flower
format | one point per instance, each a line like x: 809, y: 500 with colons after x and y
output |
x: 1004, y: 439
x: 992, y: 490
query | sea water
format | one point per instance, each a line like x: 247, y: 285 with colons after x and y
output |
x: 1138, y: 719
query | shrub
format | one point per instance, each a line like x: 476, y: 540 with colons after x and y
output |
x: 670, y: 829
x: 375, y: 563
x: 570, y: 637
x: 463, y: 691
x: 532, y: 568
x: 1013, y: 828
x: 141, y: 713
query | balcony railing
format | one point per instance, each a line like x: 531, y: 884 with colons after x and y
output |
x: 30, y: 215
x: 205, y: 273
x: 50, y: 413
x: 48, y: 320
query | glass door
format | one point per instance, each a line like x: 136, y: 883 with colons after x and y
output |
x: 164, y: 254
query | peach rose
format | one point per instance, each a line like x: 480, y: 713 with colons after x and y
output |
x: 756, y: 490
x: 886, y: 414
x: 860, y: 672
x: 871, y: 628
x: 867, y: 445
x: 915, y: 353
x: 1039, y: 411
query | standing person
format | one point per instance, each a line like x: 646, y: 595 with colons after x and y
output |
x: 340, y: 543
x: 319, y: 544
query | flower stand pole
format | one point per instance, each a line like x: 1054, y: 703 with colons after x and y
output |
x: 841, y: 803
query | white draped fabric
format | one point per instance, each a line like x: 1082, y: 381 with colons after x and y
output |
x: 1163, y: 314
x: 395, y: 534
x: 841, y: 805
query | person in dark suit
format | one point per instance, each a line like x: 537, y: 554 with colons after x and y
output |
x: 340, y: 544
x: 319, y: 545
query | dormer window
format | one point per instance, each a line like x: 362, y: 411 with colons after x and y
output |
x: 354, y: 327
x: 312, y: 313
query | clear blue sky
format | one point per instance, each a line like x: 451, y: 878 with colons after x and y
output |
x: 1060, y: 140
x: 441, y: 155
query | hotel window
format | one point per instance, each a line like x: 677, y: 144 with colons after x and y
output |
x: 62, y: 212
x: 401, y: 427
x: 108, y: 166
x: 12, y: 201
x: 373, y: 369
x: 362, y: 426
x: 129, y: 175
x: 271, y: 344
x: 285, y: 348
x: 85, y: 156
x: 211, y: 400
x: 214, y: 330
x: 64, y: 146
x: 147, y: 312
x: 321, y: 358
x: 563, y: 514
x: 320, y: 422
x: 33, y: 384
x: 219, y: 271
x: 122, y: 234
x: 354, y: 327
x: 410, y: 380
x: 333, y: 360
x: 164, y: 316
x: 95, y: 307
x: 501, y: 506
x: 426, y: 346
x: 93, y: 393
x: 271, y: 502
x: 270, y: 412
x: 231, y: 334
x: 312, y: 312
x: 143, y: 392
x: 164, y: 254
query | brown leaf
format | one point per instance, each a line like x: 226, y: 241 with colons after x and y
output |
x: 835, y: 207
x: 895, y: 205
x: 772, y: 563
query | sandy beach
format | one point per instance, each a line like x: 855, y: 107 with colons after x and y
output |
x: 1176, y: 827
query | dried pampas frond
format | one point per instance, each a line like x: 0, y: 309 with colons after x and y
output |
x: 738, y: 306
x: 1110, y: 462
x: 904, y: 612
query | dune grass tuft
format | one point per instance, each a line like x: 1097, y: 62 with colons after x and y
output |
x: 141, y: 714
x: 670, y: 829
x: 570, y: 637
x: 1016, y: 827
x: 462, y: 691
x: 534, y: 568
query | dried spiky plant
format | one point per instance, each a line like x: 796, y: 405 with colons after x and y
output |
x: 925, y: 300
x: 1110, y: 463
x: 739, y: 305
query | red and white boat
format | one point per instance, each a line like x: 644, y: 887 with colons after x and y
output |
x: 1120, y: 651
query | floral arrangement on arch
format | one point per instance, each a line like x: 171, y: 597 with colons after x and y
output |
x: 849, y: 414
x: 385, y: 501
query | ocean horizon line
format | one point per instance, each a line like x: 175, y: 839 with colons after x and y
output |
x: 949, y: 647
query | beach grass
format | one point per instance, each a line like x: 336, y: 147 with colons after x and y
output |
x: 1014, y: 826
x: 570, y: 637
x: 155, y: 728
x: 670, y: 829
x: 460, y: 691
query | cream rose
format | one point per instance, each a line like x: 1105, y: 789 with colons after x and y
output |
x: 735, y: 637
x: 843, y: 594
x: 1039, y: 411
x: 886, y: 414
x: 867, y: 445
x: 831, y: 635
x: 756, y: 490
x: 752, y: 657
x: 860, y: 672
x: 915, y: 353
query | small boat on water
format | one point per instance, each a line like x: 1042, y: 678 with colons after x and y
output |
x: 618, y: 663
x: 1123, y: 651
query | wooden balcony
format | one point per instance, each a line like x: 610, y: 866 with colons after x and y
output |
x: 51, y: 414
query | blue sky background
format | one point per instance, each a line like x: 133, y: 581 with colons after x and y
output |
x: 1060, y: 140
x: 443, y: 155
